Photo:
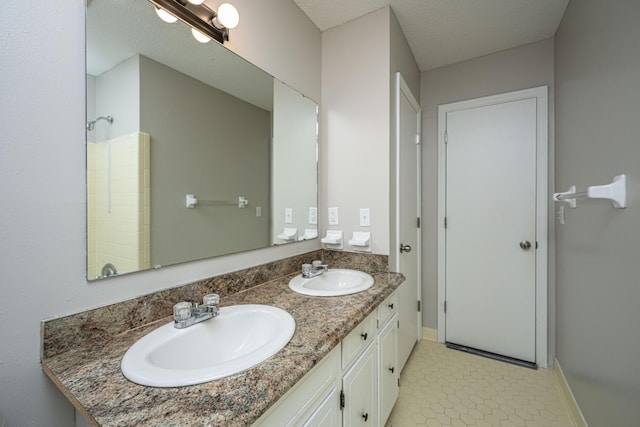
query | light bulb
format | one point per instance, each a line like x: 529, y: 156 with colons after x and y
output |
x: 202, y: 38
x: 165, y: 16
x: 228, y: 15
x: 196, y: 2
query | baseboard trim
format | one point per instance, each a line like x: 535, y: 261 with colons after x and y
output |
x: 429, y: 334
x: 569, y: 398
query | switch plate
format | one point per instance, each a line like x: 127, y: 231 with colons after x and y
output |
x: 365, y: 217
x: 313, y: 215
x: 258, y: 210
x: 333, y: 216
x: 288, y: 215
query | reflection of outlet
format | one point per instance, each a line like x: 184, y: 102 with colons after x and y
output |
x: 313, y: 215
x: 333, y: 216
x: 288, y: 216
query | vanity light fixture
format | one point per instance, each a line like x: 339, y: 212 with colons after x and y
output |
x: 205, y: 22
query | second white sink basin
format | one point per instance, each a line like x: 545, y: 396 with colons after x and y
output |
x: 332, y: 283
x: 240, y: 337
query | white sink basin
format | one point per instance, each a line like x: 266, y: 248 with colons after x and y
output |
x: 332, y: 283
x: 238, y: 338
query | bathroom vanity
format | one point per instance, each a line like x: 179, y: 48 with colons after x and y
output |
x: 344, y: 344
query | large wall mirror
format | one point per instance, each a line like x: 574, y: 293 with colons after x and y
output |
x: 192, y: 152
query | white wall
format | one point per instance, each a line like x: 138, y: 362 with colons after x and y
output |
x: 519, y: 68
x: 598, y: 290
x: 42, y: 175
x: 355, y: 125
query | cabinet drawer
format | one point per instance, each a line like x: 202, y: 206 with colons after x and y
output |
x: 387, y: 309
x: 358, y: 339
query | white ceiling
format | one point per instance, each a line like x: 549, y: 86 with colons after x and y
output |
x: 442, y: 32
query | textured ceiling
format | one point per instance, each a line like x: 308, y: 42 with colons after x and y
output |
x: 442, y: 32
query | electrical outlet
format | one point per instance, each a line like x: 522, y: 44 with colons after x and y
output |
x: 333, y: 216
x: 313, y: 215
x: 365, y: 217
x: 288, y: 215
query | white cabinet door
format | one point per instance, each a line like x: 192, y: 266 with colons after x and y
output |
x: 360, y: 387
x: 328, y: 413
x: 388, y: 369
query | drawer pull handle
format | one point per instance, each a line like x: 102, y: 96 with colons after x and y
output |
x: 364, y: 336
x: 392, y: 369
x: 391, y: 306
x: 365, y: 416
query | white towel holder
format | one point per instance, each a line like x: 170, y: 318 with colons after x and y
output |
x: 616, y: 192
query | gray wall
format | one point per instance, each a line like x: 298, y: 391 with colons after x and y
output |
x: 597, y: 137
x: 211, y: 144
x: 42, y: 171
x: 519, y: 68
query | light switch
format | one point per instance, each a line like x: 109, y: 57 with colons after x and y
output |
x: 365, y: 217
x: 333, y: 216
x: 288, y: 215
x: 258, y: 210
x: 313, y: 215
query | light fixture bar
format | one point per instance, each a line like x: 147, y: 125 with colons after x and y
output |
x: 196, y: 16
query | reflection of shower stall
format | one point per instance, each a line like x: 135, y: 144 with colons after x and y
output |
x: 118, y: 204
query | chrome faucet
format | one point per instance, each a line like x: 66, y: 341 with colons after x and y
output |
x: 186, y: 314
x: 314, y: 269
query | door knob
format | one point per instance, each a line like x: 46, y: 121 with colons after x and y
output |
x: 404, y: 248
x: 525, y: 244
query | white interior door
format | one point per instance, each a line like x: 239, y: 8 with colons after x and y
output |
x: 491, y: 228
x: 408, y: 214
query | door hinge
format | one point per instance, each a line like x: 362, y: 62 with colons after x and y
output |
x: 446, y: 137
x: 418, y: 222
x: 398, y: 381
x: 418, y: 305
x: 398, y: 324
x: 445, y: 222
x: 341, y: 400
x: 445, y: 306
x: 418, y: 139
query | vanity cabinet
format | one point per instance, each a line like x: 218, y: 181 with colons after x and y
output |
x: 356, y: 384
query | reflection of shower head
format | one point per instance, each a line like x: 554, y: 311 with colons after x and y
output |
x: 92, y: 124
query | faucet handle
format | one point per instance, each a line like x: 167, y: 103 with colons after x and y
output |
x: 211, y: 299
x: 316, y: 263
x: 182, y: 311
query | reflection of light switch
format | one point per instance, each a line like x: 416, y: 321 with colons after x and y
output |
x: 313, y: 215
x: 333, y: 216
x: 365, y: 217
x: 258, y: 210
x: 288, y: 215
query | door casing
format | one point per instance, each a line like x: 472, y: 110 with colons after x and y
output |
x: 542, y: 172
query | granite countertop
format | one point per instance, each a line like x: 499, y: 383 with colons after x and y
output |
x: 90, y: 375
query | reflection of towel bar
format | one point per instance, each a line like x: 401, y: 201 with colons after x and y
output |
x: 192, y: 201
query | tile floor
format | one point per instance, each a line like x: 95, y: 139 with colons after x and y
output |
x: 445, y: 387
